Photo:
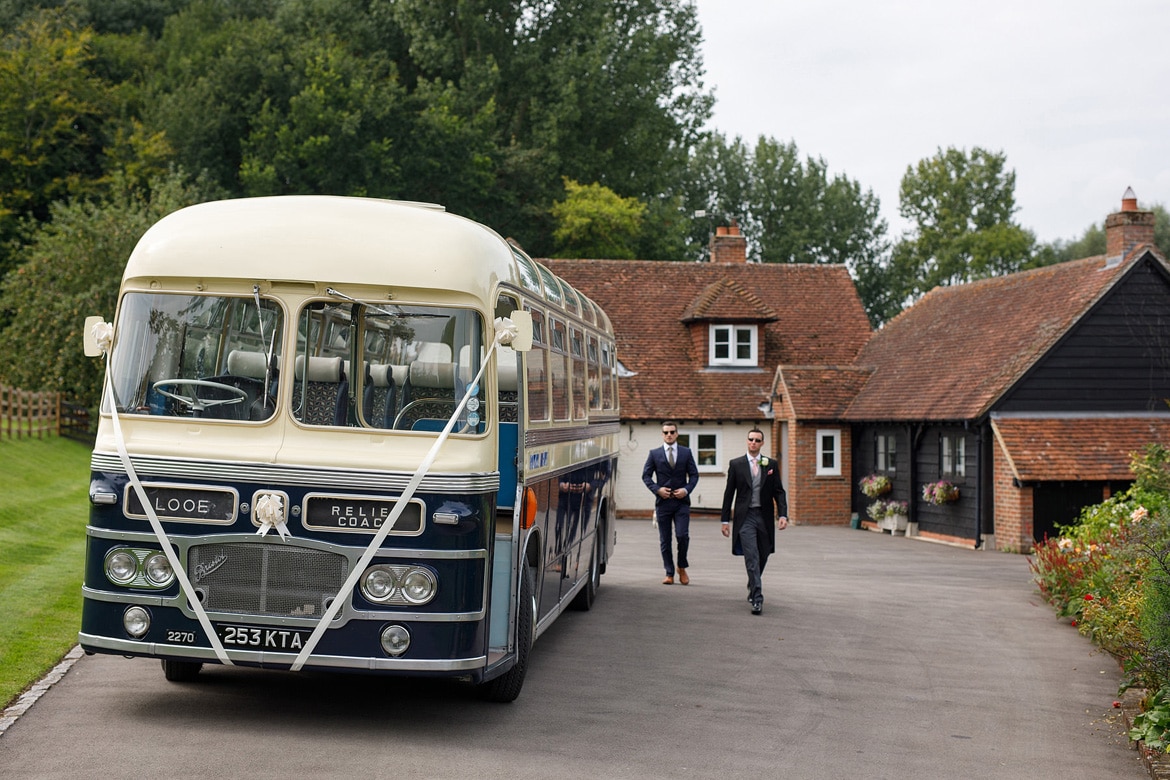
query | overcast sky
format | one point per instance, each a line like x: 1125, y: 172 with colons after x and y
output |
x: 1076, y: 93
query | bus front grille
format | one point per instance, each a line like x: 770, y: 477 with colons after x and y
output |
x: 265, y: 579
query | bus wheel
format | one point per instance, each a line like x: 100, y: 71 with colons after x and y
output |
x: 180, y: 671
x: 587, y: 595
x: 506, y: 687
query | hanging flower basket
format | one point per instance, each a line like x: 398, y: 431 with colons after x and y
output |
x: 941, y: 492
x: 875, y: 485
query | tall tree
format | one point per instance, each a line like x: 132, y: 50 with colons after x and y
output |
x: 594, y: 222
x: 70, y: 269
x: 791, y: 210
x: 51, y: 110
x: 606, y: 91
x: 961, y: 206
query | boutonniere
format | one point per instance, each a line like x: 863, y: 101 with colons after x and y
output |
x: 764, y: 461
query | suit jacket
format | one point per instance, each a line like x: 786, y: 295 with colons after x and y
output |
x: 658, y: 473
x: 738, y: 495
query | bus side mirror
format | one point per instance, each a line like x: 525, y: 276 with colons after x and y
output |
x: 91, y: 345
x: 522, y: 319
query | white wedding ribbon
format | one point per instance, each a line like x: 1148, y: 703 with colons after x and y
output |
x: 505, y: 331
x: 269, y: 512
x: 103, y: 333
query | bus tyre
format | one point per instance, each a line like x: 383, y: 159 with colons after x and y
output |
x: 587, y: 595
x: 506, y: 687
x: 180, y: 671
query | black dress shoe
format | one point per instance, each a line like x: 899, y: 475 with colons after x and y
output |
x: 757, y: 607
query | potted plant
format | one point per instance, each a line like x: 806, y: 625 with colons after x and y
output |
x: 897, y: 516
x: 877, y: 511
x: 941, y: 492
x: 875, y: 485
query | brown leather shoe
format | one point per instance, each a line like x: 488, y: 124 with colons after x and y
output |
x: 683, y: 578
x: 668, y: 581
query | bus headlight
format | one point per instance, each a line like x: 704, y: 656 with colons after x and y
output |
x: 412, y: 586
x: 395, y: 640
x: 121, y: 566
x: 378, y: 585
x: 418, y: 586
x: 136, y: 621
x: 158, y: 570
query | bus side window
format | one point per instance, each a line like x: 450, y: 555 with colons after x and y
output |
x: 537, y: 377
x: 577, y: 362
x: 594, y: 374
x: 558, y: 372
x: 608, y: 371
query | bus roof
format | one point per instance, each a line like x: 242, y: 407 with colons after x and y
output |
x: 338, y: 240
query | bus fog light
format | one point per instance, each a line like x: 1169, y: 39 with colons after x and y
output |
x: 136, y: 621
x: 378, y: 584
x: 158, y: 569
x: 121, y: 566
x: 395, y: 640
x: 418, y: 586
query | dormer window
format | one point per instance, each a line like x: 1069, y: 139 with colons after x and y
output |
x: 733, y: 345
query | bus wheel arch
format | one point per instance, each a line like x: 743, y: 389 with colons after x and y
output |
x: 505, y: 688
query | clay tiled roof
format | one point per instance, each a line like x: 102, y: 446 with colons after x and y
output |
x: 954, y: 352
x: 807, y: 314
x: 819, y: 392
x: 1075, y: 449
x: 726, y: 300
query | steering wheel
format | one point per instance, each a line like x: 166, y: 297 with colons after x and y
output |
x: 197, y: 404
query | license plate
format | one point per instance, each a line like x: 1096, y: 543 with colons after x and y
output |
x: 262, y: 638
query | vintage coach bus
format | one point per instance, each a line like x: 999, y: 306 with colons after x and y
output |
x: 346, y: 434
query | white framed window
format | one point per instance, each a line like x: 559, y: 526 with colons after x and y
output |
x: 953, y: 456
x: 828, y: 453
x: 885, y: 452
x: 733, y: 345
x: 705, y: 445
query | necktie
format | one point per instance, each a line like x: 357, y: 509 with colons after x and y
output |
x: 755, y: 467
x: 670, y: 456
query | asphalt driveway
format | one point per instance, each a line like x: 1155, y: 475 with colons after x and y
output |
x: 876, y: 657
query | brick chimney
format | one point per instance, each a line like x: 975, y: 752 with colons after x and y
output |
x: 729, y: 246
x: 1127, y: 228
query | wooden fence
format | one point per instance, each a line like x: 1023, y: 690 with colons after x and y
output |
x: 27, y: 414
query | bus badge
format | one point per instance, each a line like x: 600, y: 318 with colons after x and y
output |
x: 270, y: 515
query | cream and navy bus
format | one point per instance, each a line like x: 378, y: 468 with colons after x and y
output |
x: 346, y: 434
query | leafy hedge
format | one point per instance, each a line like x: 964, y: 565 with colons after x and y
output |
x: 1110, y: 574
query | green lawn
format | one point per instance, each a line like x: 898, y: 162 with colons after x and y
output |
x: 43, y: 512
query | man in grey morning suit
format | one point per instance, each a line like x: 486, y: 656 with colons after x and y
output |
x: 754, y: 489
x: 671, y: 475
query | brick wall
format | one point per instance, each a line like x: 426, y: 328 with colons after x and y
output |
x: 1013, y: 508
x: 812, y: 499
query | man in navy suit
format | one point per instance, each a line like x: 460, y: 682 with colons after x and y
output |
x: 671, y: 475
x: 755, y: 490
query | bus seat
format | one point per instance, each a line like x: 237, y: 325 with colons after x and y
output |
x: 322, y: 398
x: 381, y: 396
x: 241, y: 362
x: 432, y: 388
x: 252, y: 365
x: 432, y: 377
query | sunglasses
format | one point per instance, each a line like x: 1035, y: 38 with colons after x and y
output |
x: 670, y: 433
x: 755, y: 440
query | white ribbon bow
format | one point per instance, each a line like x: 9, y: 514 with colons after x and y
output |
x: 103, y: 336
x: 506, y: 330
x: 270, y: 513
